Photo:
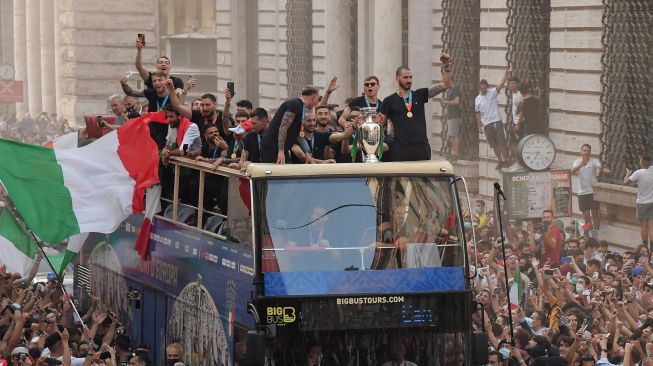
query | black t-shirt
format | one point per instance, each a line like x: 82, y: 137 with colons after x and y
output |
x: 155, y: 102
x: 210, y: 151
x: 361, y: 102
x: 407, y: 130
x: 453, y: 111
x: 251, y: 144
x: 236, y: 147
x: 271, y: 136
x: 201, y: 122
x: 317, y: 143
x: 158, y: 131
x: 177, y: 82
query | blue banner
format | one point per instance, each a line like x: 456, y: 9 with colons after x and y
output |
x: 388, y: 281
x: 207, y: 283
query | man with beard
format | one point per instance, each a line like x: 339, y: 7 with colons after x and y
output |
x: 405, y: 110
x: 285, y: 126
x: 214, y: 151
x: 183, y: 139
x: 323, y: 116
x: 183, y: 136
x: 206, y: 116
x: 547, y: 239
x: 318, y: 141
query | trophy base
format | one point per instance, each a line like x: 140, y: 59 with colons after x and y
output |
x: 371, y: 158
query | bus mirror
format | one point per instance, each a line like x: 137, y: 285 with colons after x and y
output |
x: 479, y: 348
x: 256, y: 348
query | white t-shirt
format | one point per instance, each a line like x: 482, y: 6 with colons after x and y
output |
x: 74, y: 361
x: 192, y: 136
x: 644, y: 180
x: 587, y: 174
x: 488, y: 107
x: 516, y: 99
x: 404, y: 363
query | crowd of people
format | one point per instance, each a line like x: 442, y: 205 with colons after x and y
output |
x: 572, y: 300
x: 37, y: 131
x: 39, y: 326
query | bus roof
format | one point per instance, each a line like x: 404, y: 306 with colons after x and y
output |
x: 353, y: 169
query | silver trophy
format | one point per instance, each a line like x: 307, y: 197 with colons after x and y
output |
x: 369, y: 134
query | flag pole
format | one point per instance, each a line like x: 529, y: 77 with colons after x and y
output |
x: 14, y: 211
x: 61, y: 286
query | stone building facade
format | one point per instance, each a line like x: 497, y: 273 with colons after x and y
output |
x: 71, y: 54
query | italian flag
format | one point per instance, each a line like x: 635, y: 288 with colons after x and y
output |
x: 517, y: 289
x: 63, y: 192
x: 18, y: 248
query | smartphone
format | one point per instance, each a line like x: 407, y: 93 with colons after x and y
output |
x: 52, y: 361
x: 595, y: 275
x: 105, y: 355
x: 141, y: 37
x: 497, y: 291
x: 100, y: 123
x: 230, y: 87
x: 185, y: 148
x: 548, y: 273
x: 16, y: 306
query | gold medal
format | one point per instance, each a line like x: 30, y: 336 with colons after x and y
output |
x: 301, y: 134
x: 409, y: 114
x: 233, y: 156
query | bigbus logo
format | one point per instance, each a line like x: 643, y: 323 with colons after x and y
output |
x: 280, y: 315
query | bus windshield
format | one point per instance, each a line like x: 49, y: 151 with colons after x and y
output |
x: 358, y: 223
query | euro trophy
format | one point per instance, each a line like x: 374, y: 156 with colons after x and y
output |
x: 370, y: 135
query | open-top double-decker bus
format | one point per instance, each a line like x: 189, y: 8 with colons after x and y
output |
x: 348, y: 264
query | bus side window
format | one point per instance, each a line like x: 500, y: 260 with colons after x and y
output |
x: 239, y: 228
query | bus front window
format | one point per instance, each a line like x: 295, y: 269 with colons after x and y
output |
x: 357, y: 223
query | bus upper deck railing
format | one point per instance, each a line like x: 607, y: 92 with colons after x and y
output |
x: 202, y: 168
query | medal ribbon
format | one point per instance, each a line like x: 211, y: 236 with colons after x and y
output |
x: 165, y: 101
x: 409, y: 102
x: 377, y: 105
x: 312, y: 142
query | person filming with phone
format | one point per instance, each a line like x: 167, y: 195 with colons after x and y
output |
x: 546, y: 238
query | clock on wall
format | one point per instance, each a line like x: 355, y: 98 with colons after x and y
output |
x: 536, y: 152
x: 7, y: 72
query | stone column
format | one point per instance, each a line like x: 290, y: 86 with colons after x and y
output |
x: 338, y: 47
x: 420, y: 53
x: 48, y: 60
x: 238, y: 50
x: 387, y: 43
x: 58, y: 59
x: 33, y: 42
x: 6, y: 31
x: 20, y: 53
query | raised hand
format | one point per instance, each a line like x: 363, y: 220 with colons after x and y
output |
x: 332, y: 85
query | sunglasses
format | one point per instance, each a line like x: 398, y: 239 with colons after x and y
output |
x: 369, y: 85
